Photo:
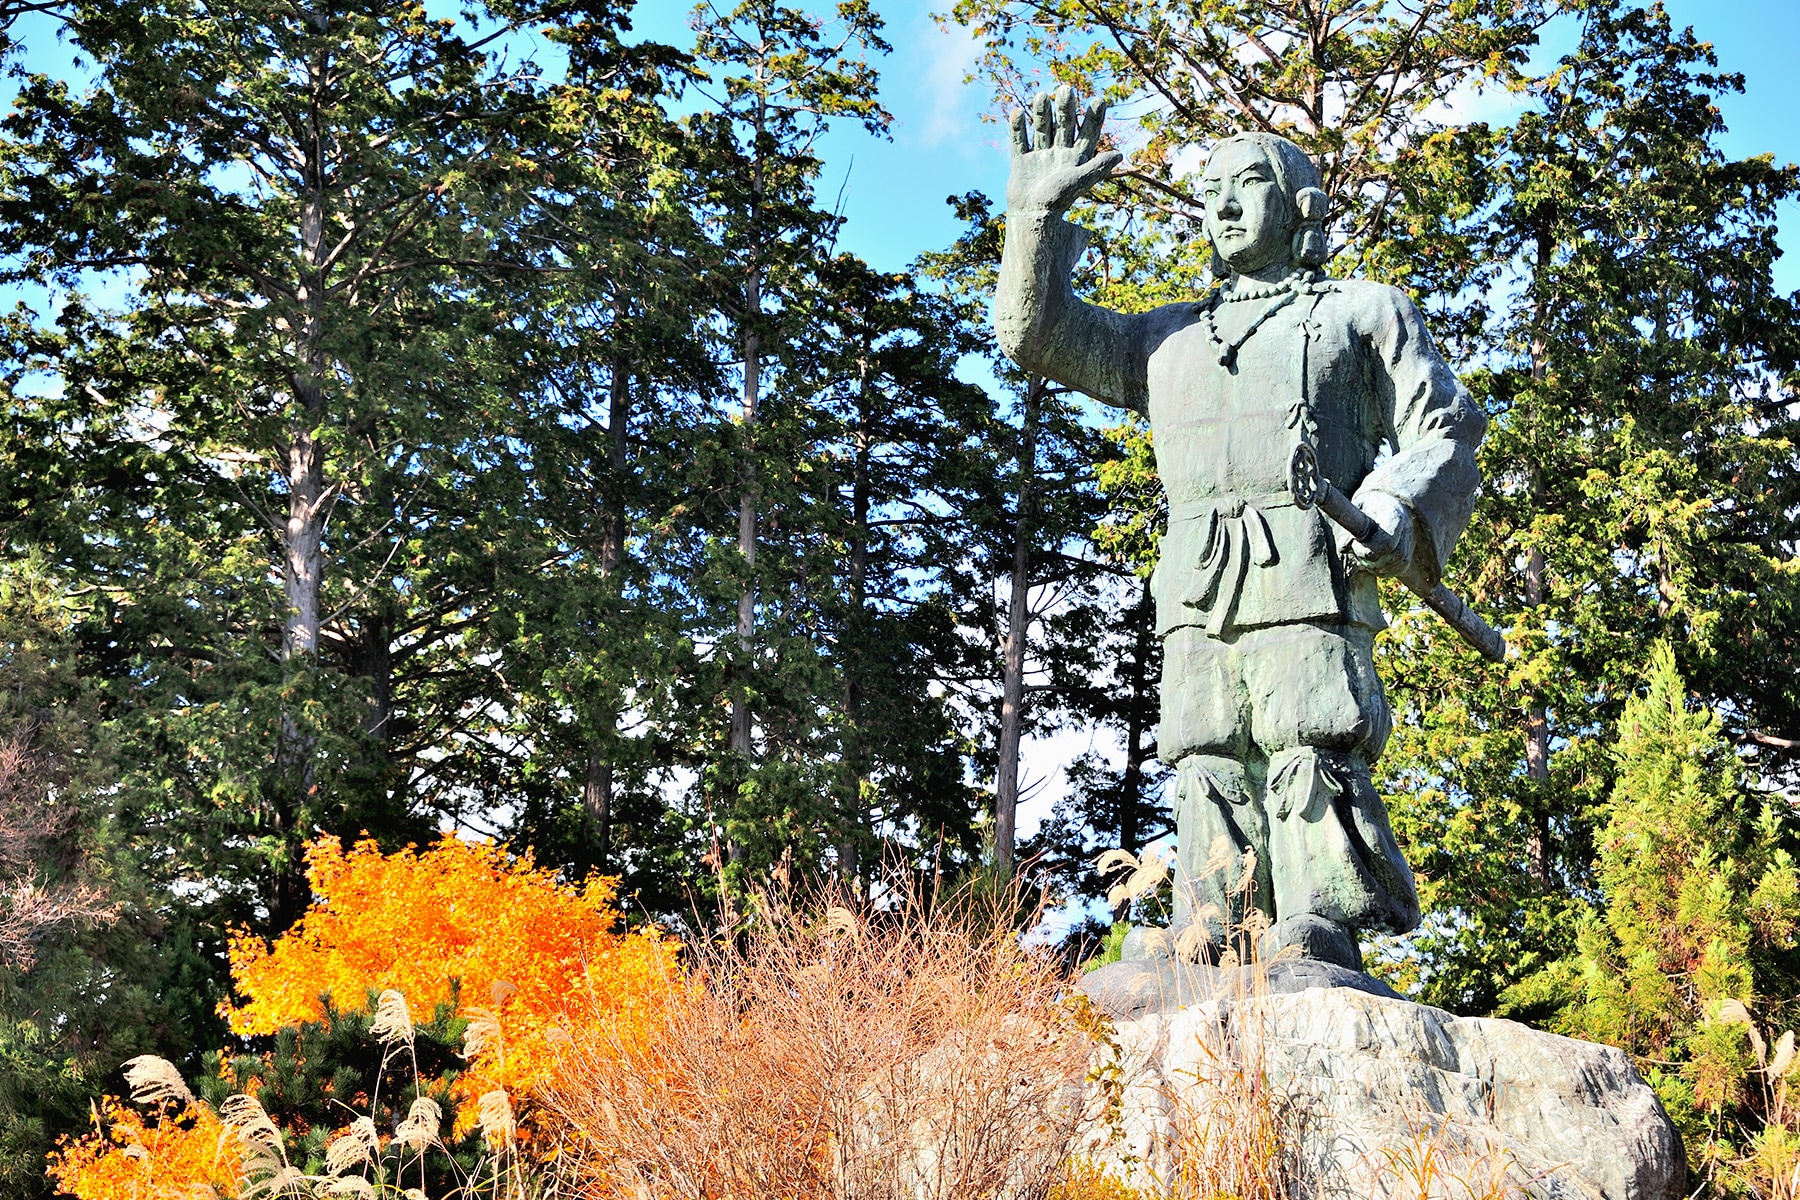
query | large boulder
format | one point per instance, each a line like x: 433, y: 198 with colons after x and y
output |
x: 1360, y: 1093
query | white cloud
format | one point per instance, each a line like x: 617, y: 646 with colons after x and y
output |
x: 1493, y: 105
x: 944, y: 102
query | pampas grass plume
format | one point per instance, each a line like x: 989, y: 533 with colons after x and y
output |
x: 496, y: 1112
x: 420, y: 1128
x: 393, y: 1022
x: 287, y: 1181
x: 355, y: 1145
x: 483, y: 1034
x: 153, y: 1080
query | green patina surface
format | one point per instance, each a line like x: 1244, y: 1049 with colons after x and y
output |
x: 1271, y: 708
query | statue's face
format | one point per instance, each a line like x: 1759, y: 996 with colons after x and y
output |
x: 1248, y: 217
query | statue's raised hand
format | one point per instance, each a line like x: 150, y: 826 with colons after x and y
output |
x: 1053, y: 168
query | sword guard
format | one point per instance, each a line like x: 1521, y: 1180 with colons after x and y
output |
x: 1308, y: 488
x: 1303, y: 477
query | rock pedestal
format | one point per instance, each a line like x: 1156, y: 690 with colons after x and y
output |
x: 1368, y: 1093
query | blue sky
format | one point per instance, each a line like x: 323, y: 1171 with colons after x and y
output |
x: 895, y: 190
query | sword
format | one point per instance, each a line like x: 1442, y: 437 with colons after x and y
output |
x: 1310, y: 487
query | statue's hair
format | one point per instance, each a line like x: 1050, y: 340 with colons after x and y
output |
x: 1298, y: 178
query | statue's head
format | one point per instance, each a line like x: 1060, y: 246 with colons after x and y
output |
x: 1263, y: 203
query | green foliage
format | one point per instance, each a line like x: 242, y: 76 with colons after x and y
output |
x: 1081, y: 610
x: 281, y: 463
x: 314, y: 1078
x: 78, y: 996
x: 1111, y: 946
x: 1352, y: 84
x: 1702, y: 901
x: 1634, y: 370
x: 377, y: 439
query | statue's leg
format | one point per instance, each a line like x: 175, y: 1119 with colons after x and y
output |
x: 1218, y: 818
x: 1205, y: 735
x: 1319, y: 714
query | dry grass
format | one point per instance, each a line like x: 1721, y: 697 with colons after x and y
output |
x: 1439, y: 1162
x: 1232, y: 1134
x: 918, y: 1053
x: 1236, y: 1133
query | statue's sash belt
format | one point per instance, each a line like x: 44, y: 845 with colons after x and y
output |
x: 1236, y: 537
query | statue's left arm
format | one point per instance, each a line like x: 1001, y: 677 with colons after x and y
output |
x: 1430, y: 482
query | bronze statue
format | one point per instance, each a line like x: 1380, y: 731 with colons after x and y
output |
x: 1276, y: 388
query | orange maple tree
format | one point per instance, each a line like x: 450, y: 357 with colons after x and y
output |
x: 529, y: 960
x: 534, y: 958
x: 183, y: 1156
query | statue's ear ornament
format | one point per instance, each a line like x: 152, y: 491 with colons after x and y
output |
x: 1309, y: 239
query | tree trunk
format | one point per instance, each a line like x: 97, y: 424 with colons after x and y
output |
x: 1537, y: 723
x: 596, y: 801
x: 1018, y: 619
x: 741, y: 731
x: 302, y: 539
x: 374, y: 652
x: 1537, y: 746
x: 597, y: 786
x: 1137, y: 723
x: 746, y: 606
x: 851, y: 820
x: 618, y: 418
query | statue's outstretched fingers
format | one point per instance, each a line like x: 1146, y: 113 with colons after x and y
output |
x: 1067, y: 114
x: 1092, y: 122
x: 1099, y: 167
x: 1043, y: 111
x: 1021, y: 140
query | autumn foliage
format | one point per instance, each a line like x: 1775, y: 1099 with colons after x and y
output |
x: 527, y: 962
x: 527, y: 955
x: 177, y: 1158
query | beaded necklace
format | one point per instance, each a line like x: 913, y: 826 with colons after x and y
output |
x: 1283, y: 293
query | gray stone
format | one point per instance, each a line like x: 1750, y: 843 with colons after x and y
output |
x: 1372, y: 1095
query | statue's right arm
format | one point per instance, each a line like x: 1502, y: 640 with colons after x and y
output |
x: 1045, y: 328
x: 1040, y: 322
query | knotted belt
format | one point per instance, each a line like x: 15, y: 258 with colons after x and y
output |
x: 1237, y: 534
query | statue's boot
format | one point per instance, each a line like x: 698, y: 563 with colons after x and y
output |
x: 1144, y: 942
x: 1311, y: 936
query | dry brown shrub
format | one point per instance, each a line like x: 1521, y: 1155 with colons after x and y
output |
x: 33, y: 828
x: 918, y: 1052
